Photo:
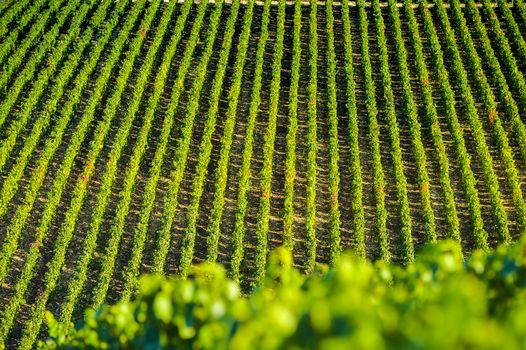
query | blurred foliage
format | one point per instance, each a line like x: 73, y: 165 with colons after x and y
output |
x: 439, y: 302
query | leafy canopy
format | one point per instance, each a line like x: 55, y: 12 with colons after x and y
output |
x: 439, y: 302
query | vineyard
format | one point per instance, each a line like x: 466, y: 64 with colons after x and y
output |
x: 148, y: 136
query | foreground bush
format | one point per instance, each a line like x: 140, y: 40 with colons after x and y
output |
x: 440, y: 301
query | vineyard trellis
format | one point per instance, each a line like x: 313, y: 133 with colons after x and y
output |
x: 145, y: 136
